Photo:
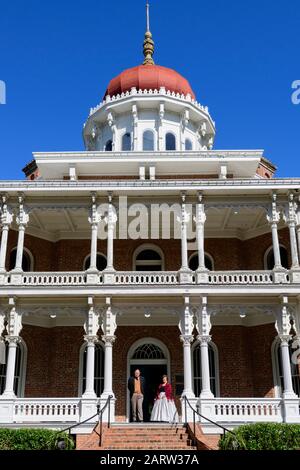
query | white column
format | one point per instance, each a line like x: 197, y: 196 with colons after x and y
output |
x: 22, y: 221
x: 187, y: 365
x: 111, y: 220
x: 94, y: 219
x: 205, y: 370
x: 290, y: 218
x: 298, y: 235
x: 10, y: 368
x: 293, y: 241
x: 184, y: 249
x: 161, y: 143
x: 288, y: 391
x: 3, y: 248
x: 273, y: 218
x: 90, y: 367
x: 200, y: 221
x: 135, y: 127
x: 108, y: 365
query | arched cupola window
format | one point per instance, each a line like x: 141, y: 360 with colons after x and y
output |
x: 170, y: 141
x: 27, y: 260
x: 148, y: 141
x: 126, y: 142
x: 108, y: 146
x: 188, y: 144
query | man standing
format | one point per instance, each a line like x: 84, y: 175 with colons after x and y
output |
x: 136, y: 386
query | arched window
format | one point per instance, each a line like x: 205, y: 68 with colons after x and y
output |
x: 188, y: 144
x: 126, y: 142
x: 27, y: 260
x: 148, y: 259
x: 148, y: 141
x: 98, y: 369
x: 108, y: 146
x: 194, y: 264
x: 170, y: 141
x: 269, y: 258
x: 101, y: 262
x: 213, y: 368
x: 148, y: 351
x: 20, y: 370
x: 278, y: 369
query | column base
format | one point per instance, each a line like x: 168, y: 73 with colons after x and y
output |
x: 109, y: 276
x: 185, y: 276
x: 207, y: 394
x: 6, y: 410
x: 290, y: 410
x: 89, y: 396
x: 202, y: 276
x: 295, y: 275
x: 279, y: 275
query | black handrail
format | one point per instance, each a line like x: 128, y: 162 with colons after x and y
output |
x: 100, y: 420
x: 187, y: 402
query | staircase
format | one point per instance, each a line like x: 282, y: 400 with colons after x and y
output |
x: 146, y: 436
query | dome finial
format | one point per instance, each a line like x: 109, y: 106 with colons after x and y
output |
x: 148, y: 42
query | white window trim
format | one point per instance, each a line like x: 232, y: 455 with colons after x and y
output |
x: 28, y: 252
x: 216, y: 360
x: 267, y: 254
x: 147, y: 246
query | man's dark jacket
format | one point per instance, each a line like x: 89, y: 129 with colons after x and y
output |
x: 131, y: 385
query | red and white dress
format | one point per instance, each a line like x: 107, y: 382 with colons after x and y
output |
x: 164, y: 408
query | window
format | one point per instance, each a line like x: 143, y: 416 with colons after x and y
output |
x: 126, y: 142
x: 148, y: 141
x: 19, y: 380
x: 27, y: 260
x: 269, y: 258
x: 213, y: 368
x: 279, y: 369
x: 148, y: 351
x: 170, y: 141
x: 98, y: 370
x: 194, y: 264
x: 108, y: 146
x: 188, y: 144
x: 101, y: 262
x: 149, y: 259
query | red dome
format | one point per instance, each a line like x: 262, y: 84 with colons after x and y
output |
x: 149, y: 77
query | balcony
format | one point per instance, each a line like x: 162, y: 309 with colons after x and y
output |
x: 150, y: 278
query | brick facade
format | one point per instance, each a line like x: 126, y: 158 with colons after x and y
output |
x: 227, y: 253
x: 245, y: 366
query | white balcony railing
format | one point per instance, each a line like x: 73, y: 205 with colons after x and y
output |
x: 159, y: 278
x: 248, y: 409
x: 46, y: 409
x: 149, y: 278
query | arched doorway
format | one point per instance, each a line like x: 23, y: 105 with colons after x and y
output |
x: 152, y: 358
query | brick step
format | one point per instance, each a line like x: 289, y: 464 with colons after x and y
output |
x: 133, y: 441
x: 174, y: 447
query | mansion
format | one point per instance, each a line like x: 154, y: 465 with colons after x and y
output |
x: 91, y: 290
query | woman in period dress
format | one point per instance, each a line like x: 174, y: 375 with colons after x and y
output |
x: 164, y: 408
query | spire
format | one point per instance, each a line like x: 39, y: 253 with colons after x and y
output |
x: 148, y: 42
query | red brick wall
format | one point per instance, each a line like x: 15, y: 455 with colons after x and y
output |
x: 53, y: 359
x: 228, y: 253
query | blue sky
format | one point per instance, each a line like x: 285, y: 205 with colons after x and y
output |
x: 241, y: 57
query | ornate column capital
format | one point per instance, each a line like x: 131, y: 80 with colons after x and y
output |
x: 186, y: 339
x: 186, y: 324
x: 285, y: 339
x: 283, y: 318
x: 204, y: 339
x: 22, y: 218
x: 107, y: 339
x: 203, y: 323
x: 6, y: 215
x: 91, y: 324
x: 14, y: 320
x: 109, y: 319
x: 273, y: 215
x: 13, y: 339
x: 290, y: 213
x: 94, y: 216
